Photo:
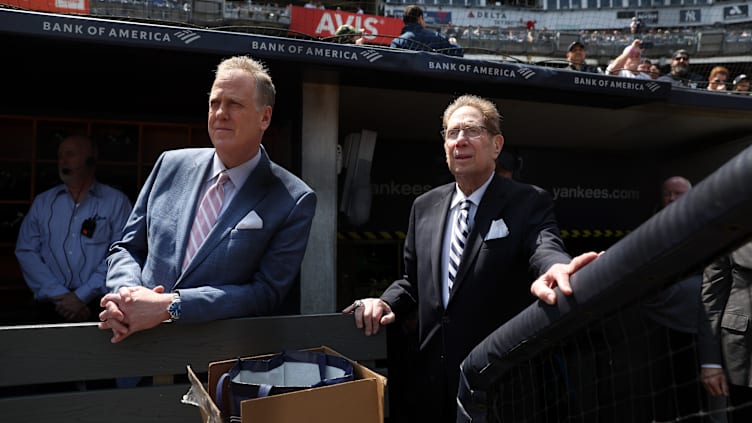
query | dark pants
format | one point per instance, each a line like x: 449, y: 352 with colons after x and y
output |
x: 740, y: 397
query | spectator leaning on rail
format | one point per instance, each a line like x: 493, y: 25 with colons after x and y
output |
x: 626, y: 65
x: 741, y: 84
x: 680, y: 76
x: 718, y: 78
x: 576, y: 56
x: 216, y: 232
x: 348, y: 34
x: 415, y: 36
x: 471, y: 244
x: 648, y: 68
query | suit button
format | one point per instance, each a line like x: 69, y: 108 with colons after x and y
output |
x: 445, y: 320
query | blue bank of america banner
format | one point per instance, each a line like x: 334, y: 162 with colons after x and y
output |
x: 335, y: 56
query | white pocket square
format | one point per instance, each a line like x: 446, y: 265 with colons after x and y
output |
x: 498, y: 230
x: 251, y: 221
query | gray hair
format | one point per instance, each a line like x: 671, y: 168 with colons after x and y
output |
x: 491, y: 117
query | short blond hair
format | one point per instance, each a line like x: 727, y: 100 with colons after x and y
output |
x: 265, y: 91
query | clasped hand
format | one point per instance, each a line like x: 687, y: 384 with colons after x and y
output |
x: 71, y: 307
x: 133, y: 309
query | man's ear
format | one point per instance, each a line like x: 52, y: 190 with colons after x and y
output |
x: 266, y: 118
x: 499, y: 143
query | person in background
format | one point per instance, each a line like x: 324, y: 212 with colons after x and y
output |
x: 415, y: 36
x: 673, y: 316
x: 576, y: 56
x: 718, y: 78
x: 451, y: 31
x: 509, y: 165
x: 217, y: 232
x: 348, y: 34
x: 680, y: 76
x: 635, y: 27
x: 673, y: 188
x: 648, y: 68
x: 65, y: 237
x: 470, y: 247
x: 648, y: 361
x: 626, y: 64
x: 741, y: 83
x: 725, y: 341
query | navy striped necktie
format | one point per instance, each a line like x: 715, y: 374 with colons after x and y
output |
x: 460, y: 230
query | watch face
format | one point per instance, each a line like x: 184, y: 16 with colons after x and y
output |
x: 174, y: 309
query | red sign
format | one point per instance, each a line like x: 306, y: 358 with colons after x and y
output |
x: 59, y: 6
x: 323, y: 23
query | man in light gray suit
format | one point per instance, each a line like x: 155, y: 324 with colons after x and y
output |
x: 249, y: 259
x: 725, y: 342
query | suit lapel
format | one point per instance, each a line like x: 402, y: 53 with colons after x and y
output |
x: 256, y: 187
x: 438, y: 215
x: 196, y: 176
x: 489, y: 209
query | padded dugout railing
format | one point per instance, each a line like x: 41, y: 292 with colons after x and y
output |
x: 713, y: 218
x: 43, y: 354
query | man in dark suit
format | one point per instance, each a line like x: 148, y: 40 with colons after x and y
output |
x: 725, y: 342
x: 513, y: 238
x: 246, y: 263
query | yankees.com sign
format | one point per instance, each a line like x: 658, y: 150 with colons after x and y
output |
x: 323, y: 23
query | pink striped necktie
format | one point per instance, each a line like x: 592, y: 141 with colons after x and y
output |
x: 206, y: 216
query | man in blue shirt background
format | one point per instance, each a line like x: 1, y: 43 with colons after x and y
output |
x: 415, y: 36
x: 65, y: 237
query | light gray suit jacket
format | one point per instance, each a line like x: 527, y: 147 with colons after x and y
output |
x: 727, y: 296
x: 239, y: 270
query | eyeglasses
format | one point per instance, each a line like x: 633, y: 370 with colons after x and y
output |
x: 682, y: 59
x: 471, y: 132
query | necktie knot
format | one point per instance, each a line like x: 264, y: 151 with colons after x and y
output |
x: 465, y: 206
x: 223, y: 177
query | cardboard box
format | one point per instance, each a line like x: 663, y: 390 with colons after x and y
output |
x: 360, y: 400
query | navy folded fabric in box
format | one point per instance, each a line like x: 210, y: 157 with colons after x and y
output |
x: 286, y: 372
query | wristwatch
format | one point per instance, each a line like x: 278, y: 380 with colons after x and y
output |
x: 174, y: 308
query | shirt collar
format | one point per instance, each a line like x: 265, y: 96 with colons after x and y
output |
x: 475, y: 197
x: 94, y: 189
x: 237, y: 174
